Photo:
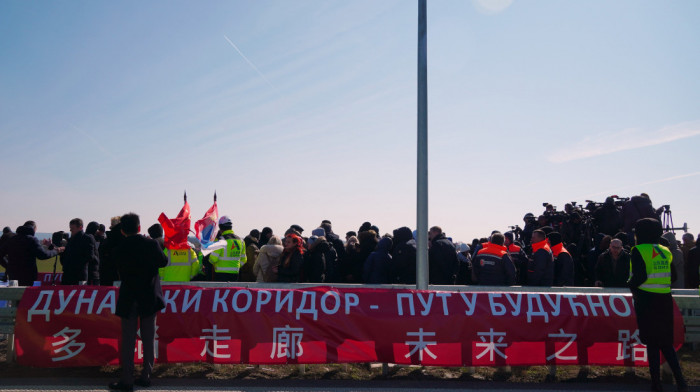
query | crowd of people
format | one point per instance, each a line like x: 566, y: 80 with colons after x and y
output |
x: 575, y: 247
x: 592, y: 246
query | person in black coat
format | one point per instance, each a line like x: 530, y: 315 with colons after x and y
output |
x: 368, y: 244
x: 140, y: 298
x: 654, y: 305
x: 315, y: 259
x: 613, y: 267
x: 563, y: 262
x: 403, y: 257
x: 636, y: 208
x: 80, y: 261
x: 333, y: 273
x: 607, y: 218
x: 442, y: 258
x: 540, y: 268
x: 492, y: 265
x: 378, y: 264
x: 108, y: 264
x: 6, y: 235
x: 21, y: 251
x: 692, y: 268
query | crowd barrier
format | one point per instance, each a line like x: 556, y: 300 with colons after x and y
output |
x: 500, y: 299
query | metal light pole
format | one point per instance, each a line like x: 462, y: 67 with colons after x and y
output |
x: 422, y: 175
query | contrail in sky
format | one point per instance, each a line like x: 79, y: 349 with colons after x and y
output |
x: 250, y: 63
x: 627, y: 139
x: 93, y: 140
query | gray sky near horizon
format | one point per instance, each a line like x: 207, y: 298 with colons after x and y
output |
x: 296, y: 112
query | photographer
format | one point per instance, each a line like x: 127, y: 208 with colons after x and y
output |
x: 530, y: 226
x: 638, y: 207
x: 607, y: 218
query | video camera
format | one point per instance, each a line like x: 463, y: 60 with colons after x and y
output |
x: 57, y: 238
x: 592, y: 205
x: 620, y: 201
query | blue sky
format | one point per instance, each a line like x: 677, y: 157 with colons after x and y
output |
x: 296, y: 112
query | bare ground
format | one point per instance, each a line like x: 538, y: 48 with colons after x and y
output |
x: 690, y: 361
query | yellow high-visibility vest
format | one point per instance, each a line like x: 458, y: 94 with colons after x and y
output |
x: 230, y: 259
x: 657, y: 259
x: 183, y: 265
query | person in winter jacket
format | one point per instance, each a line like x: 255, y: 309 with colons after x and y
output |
x: 607, y: 217
x: 315, y: 259
x: 636, y: 208
x: 140, y: 299
x: 368, y: 243
x: 602, y: 243
x: 265, y: 236
x: 351, y: 259
x: 613, y: 267
x: 19, y: 253
x: 442, y: 258
x: 268, y: 260
x: 333, y: 269
x: 518, y: 256
x: 563, y: 262
x: 650, y: 283
x: 291, y: 260
x: 403, y: 263
x: 464, y: 257
x: 492, y: 265
x: 251, y: 250
x: 540, y: 270
x: 692, y: 268
x: 378, y: 264
x: 80, y: 261
x: 678, y: 261
x: 109, y: 272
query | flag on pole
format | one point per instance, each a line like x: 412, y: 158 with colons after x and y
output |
x: 206, y: 228
x: 175, y: 231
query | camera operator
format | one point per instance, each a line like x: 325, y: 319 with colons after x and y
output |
x: 571, y: 228
x: 530, y: 226
x: 80, y: 261
x: 638, y: 207
x: 607, y: 218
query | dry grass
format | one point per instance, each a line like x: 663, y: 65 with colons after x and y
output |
x: 690, y: 361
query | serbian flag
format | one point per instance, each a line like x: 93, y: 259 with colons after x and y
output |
x: 206, y: 228
x: 175, y: 231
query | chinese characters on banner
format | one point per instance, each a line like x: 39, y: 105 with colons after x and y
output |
x: 75, y: 326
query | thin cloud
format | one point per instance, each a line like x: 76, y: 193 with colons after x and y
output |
x: 491, y: 7
x: 637, y: 186
x: 250, y: 63
x: 627, y: 139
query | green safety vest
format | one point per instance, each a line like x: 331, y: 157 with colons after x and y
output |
x: 230, y: 259
x: 657, y: 259
x: 183, y: 265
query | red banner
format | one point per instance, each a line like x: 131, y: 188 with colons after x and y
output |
x: 75, y: 326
